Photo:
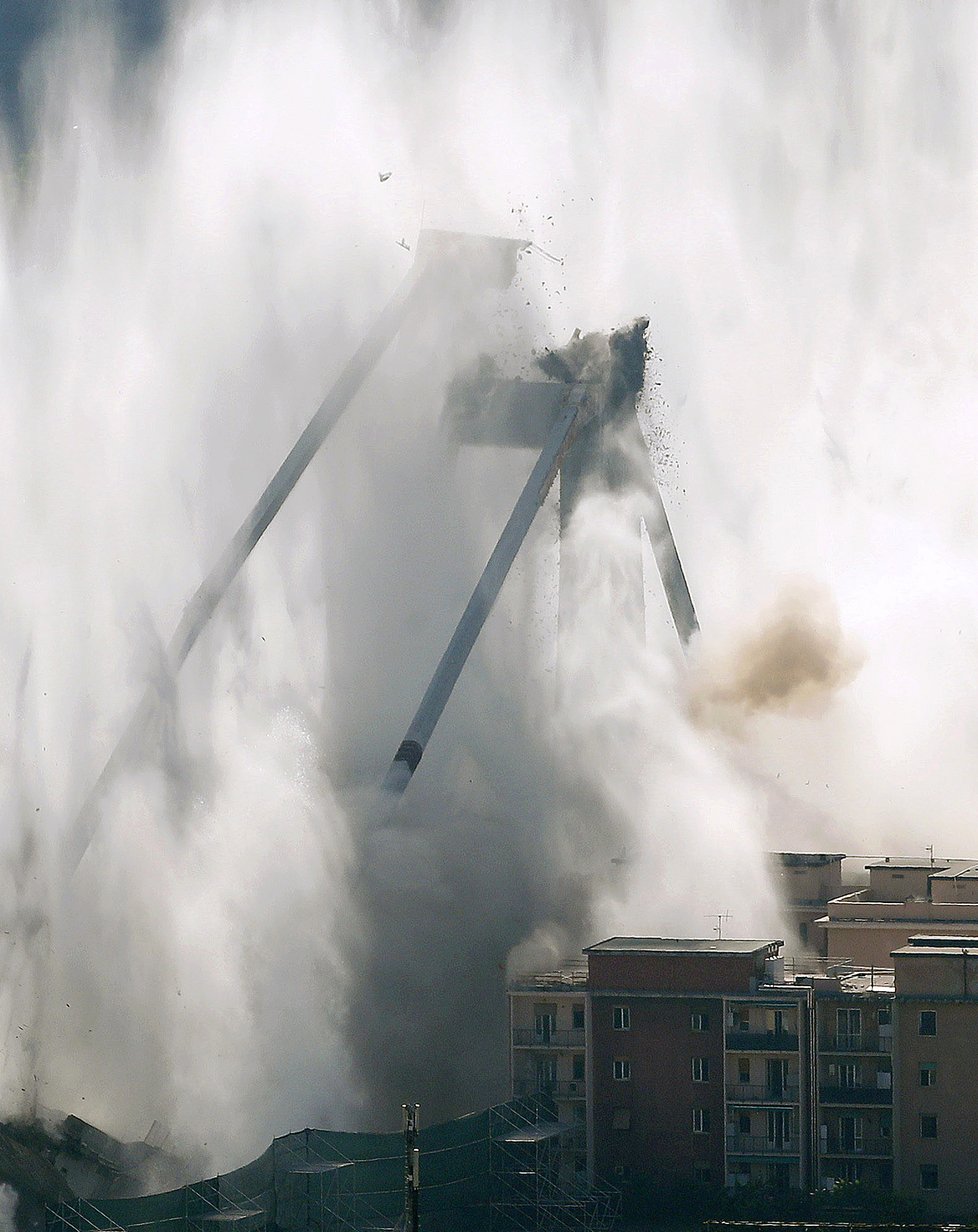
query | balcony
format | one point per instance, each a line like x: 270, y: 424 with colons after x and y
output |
x: 761, y: 1041
x: 859, y: 1147
x: 744, y: 1093
x: 527, y: 1037
x: 760, y: 1144
x: 857, y: 1043
x: 855, y: 1095
x: 573, y: 1088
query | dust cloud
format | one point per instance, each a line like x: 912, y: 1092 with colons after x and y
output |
x: 793, y: 658
x: 192, y: 243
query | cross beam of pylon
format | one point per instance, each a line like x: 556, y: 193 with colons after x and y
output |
x: 588, y: 426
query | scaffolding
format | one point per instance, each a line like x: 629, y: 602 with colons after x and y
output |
x: 529, y: 1188
x: 501, y: 1170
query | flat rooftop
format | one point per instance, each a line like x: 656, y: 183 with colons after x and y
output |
x: 915, y: 863
x: 569, y: 976
x: 677, y: 945
x: 875, y: 980
x: 960, y: 950
x: 807, y: 859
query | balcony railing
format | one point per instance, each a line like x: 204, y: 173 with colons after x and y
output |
x: 771, y: 1093
x: 836, y: 1145
x: 529, y: 1037
x: 759, y: 1144
x: 573, y: 1088
x: 762, y: 1041
x: 857, y: 1043
x: 855, y: 1095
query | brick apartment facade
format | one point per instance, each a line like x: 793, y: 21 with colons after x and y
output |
x: 661, y: 1013
x: 710, y: 1062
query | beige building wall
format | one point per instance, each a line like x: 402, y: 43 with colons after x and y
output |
x: 949, y: 889
x: 871, y: 944
x: 890, y: 884
x: 548, y: 1055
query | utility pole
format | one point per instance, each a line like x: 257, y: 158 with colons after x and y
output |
x: 412, y: 1165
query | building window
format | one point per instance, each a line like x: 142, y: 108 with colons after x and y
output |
x: 927, y: 1024
x: 702, y: 1174
x: 886, y: 1124
x: 850, y: 1171
x: 701, y: 1069
x: 740, y: 1020
x: 743, y: 1069
x: 622, y: 1018
x: 850, y: 1133
x: 928, y: 1125
x: 776, y: 1022
x: 849, y: 1075
x: 848, y: 1028
x: 699, y: 1022
x: 743, y: 1123
x: 883, y: 1016
x: 777, y: 1077
x: 545, y: 1023
x: 622, y: 1069
x: 701, y: 1120
x: 778, y: 1175
x: 779, y: 1129
x: 578, y: 1063
x: 577, y: 1017
x: 928, y: 1176
x: 928, y: 1075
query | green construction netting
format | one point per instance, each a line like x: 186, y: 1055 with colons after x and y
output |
x: 502, y: 1168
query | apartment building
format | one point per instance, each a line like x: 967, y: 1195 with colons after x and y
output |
x: 547, y: 1051
x: 707, y: 1062
x: 697, y: 1050
x: 807, y: 883
x: 935, y: 1053
x: 854, y: 1072
x: 904, y: 897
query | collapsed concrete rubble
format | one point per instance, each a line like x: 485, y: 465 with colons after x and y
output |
x: 58, y: 1159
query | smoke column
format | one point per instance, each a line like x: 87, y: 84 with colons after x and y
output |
x: 192, y: 244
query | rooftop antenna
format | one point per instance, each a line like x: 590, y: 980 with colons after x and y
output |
x: 721, y: 918
x: 930, y: 851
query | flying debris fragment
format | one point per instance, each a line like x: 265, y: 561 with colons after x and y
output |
x: 402, y: 243
x: 385, y: 176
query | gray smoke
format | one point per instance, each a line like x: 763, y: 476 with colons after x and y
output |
x: 192, y: 244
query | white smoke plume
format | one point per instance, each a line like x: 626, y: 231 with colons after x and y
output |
x: 189, y: 251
